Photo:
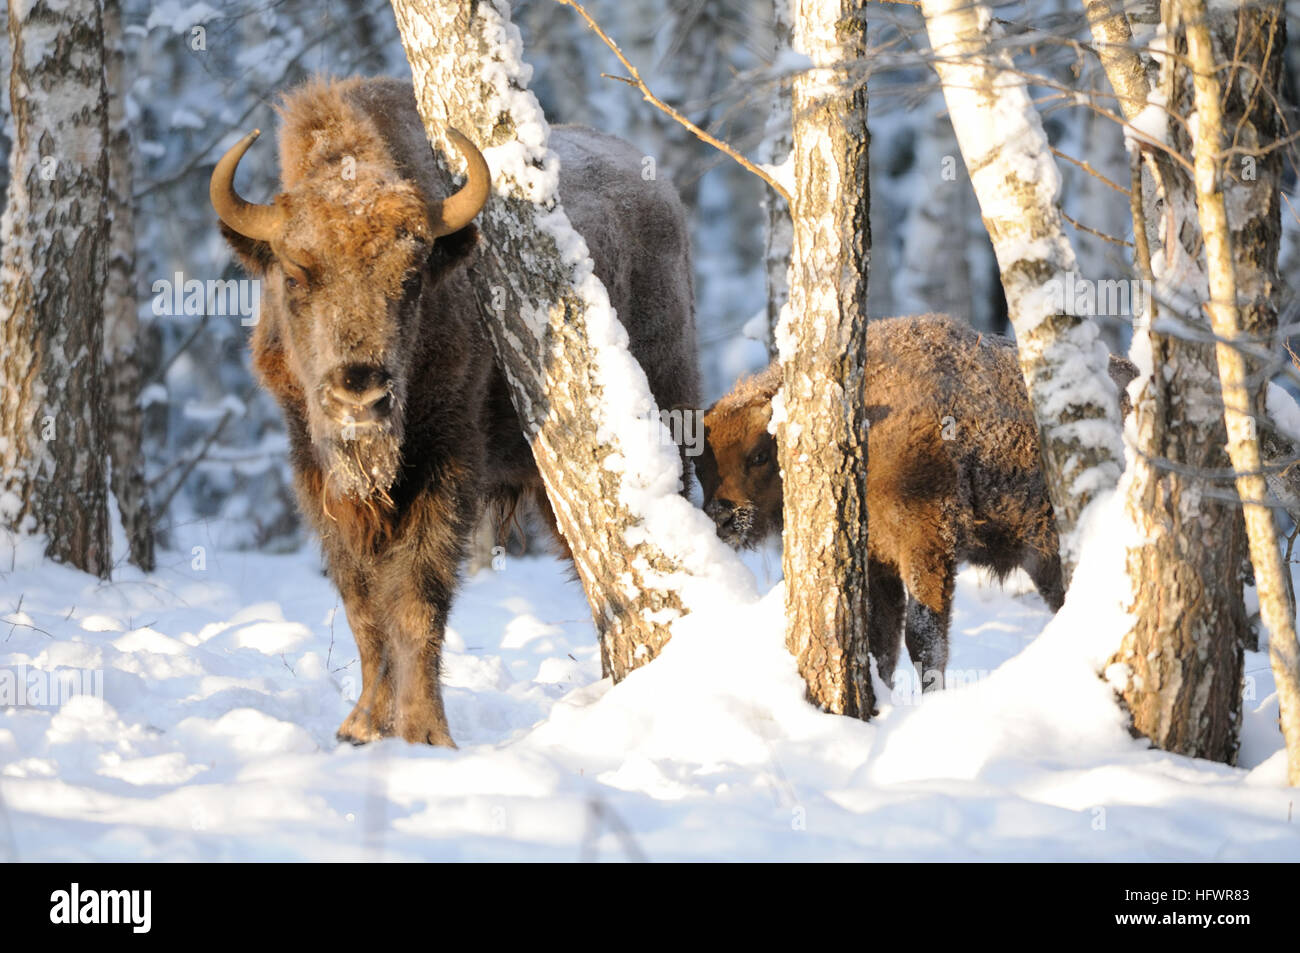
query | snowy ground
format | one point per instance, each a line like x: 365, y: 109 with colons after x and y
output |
x: 222, y: 687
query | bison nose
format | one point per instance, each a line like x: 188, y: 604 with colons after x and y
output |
x: 364, y: 387
x: 720, y: 511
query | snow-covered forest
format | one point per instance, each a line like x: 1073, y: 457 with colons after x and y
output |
x: 362, y: 503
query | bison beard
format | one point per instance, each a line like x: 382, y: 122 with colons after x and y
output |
x: 364, y: 466
x: 400, y: 423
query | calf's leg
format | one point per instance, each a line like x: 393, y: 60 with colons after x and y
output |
x: 930, y: 577
x: 885, y: 602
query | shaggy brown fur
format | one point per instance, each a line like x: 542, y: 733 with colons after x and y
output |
x: 953, y: 475
x: 361, y: 311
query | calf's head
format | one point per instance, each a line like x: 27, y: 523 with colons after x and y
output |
x: 738, y: 469
x: 345, y: 254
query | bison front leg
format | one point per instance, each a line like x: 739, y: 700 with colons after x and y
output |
x: 372, y: 716
x: 419, y: 623
x: 419, y: 582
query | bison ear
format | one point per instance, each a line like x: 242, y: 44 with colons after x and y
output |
x: 770, y: 381
x: 450, y: 250
x: 254, y: 255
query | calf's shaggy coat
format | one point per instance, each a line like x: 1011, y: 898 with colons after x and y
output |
x: 400, y: 422
x: 953, y: 476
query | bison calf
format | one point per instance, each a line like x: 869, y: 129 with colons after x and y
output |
x: 953, y: 476
x: 370, y: 337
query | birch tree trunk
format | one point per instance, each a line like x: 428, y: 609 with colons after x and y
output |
x: 121, y: 323
x: 935, y: 268
x: 822, y: 419
x: 1253, y: 186
x: 1240, y: 404
x: 777, y: 136
x: 1016, y: 183
x: 580, y: 396
x: 6, y: 132
x: 1179, y: 666
x: 52, y: 442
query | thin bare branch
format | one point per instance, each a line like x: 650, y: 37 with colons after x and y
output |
x: 634, y: 79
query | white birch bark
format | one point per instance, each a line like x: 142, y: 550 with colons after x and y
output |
x: 52, y: 277
x: 777, y: 140
x: 935, y: 272
x: 1016, y: 183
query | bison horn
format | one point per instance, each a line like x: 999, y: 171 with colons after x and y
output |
x: 455, y: 212
x: 259, y: 222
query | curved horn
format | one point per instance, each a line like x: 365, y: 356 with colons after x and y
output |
x: 456, y: 211
x: 260, y: 222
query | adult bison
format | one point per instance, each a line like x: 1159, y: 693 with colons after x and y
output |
x: 400, y: 423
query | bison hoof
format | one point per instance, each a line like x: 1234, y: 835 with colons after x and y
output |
x: 432, y: 731
x: 357, y: 729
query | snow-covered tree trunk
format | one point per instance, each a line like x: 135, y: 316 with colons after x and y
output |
x: 581, y: 397
x: 1131, y: 71
x: 777, y: 143
x: 6, y: 120
x: 935, y: 267
x: 121, y: 323
x: 1016, y: 183
x: 1179, y: 666
x: 821, y: 416
x: 52, y: 441
x: 1252, y: 183
x: 1240, y: 396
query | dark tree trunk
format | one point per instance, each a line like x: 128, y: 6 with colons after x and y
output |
x: 121, y: 323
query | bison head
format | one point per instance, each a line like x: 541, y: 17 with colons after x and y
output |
x: 345, y: 255
x: 738, y: 470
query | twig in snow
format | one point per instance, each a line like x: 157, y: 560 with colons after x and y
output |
x: 599, y: 816
x: 23, y: 625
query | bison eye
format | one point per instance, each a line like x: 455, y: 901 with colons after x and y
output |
x: 759, y: 458
x: 411, y: 284
x: 295, y: 275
